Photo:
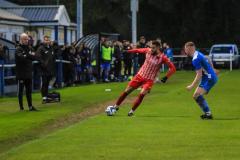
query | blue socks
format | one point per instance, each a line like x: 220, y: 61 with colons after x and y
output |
x: 203, y: 104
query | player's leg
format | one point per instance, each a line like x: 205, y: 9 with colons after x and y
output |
x: 146, y: 87
x: 133, y: 84
x: 204, y: 88
x: 126, y: 92
x: 199, y: 98
x: 138, y: 101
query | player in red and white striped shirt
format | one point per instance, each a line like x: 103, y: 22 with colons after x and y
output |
x: 147, y: 74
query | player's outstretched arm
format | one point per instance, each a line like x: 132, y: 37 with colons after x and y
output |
x: 139, y: 50
x: 171, y: 70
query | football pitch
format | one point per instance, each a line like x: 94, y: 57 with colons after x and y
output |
x: 166, y: 125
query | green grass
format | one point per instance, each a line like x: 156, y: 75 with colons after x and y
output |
x: 166, y: 125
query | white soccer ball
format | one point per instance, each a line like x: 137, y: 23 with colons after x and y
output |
x: 110, y: 110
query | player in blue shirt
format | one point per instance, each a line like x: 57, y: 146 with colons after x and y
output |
x: 205, y: 74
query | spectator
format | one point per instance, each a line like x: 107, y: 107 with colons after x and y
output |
x: 168, y: 51
x: 141, y: 57
x: 30, y: 41
x: 78, y: 63
x: 106, y: 58
x: 47, y: 59
x: 58, y: 55
x: 117, y: 61
x: 24, y: 57
x: 127, y: 59
x: 37, y: 69
x: 69, y: 67
x: 86, y: 67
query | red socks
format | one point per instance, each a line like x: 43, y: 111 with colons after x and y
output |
x: 135, y: 104
x: 138, y: 101
x: 121, y: 98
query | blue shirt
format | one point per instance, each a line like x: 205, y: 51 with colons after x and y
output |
x: 200, y: 61
x: 168, y: 52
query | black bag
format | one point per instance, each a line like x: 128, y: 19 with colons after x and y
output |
x: 53, y: 97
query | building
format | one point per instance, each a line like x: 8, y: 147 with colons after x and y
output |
x: 36, y: 20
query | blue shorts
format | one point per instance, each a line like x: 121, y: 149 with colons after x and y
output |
x: 208, y: 83
x: 106, y: 65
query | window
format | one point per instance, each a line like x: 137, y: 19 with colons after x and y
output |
x: 3, y: 35
x: 15, y: 37
x: 222, y: 49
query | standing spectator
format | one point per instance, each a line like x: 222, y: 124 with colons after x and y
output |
x: 37, y: 69
x: 141, y: 57
x: 58, y: 67
x: 118, y: 61
x: 78, y: 63
x: 47, y: 63
x: 106, y: 54
x: 24, y: 57
x: 168, y: 51
x: 127, y: 59
x: 69, y: 67
x: 85, y: 56
x: 30, y: 40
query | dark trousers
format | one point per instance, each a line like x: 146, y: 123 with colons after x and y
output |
x: 128, y: 68
x: 45, y: 84
x: 117, y: 69
x: 27, y: 83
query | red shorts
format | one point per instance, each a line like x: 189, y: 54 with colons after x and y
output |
x: 138, y: 81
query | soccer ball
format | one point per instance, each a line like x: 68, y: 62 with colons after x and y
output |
x: 110, y: 111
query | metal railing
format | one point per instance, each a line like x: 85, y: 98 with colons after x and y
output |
x: 3, y: 77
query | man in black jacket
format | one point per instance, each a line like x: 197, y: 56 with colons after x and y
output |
x: 24, y: 57
x: 127, y: 59
x: 118, y: 61
x: 47, y: 59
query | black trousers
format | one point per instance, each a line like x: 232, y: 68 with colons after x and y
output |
x: 45, y: 84
x: 27, y: 83
x: 117, y: 68
x: 128, y: 68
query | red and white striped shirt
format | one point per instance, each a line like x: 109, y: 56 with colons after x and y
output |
x: 152, y: 64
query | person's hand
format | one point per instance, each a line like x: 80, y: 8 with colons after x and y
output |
x: 190, y: 87
x: 164, y: 79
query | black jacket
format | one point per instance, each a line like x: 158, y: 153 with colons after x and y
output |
x: 24, y: 58
x: 85, y: 56
x: 46, y: 57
